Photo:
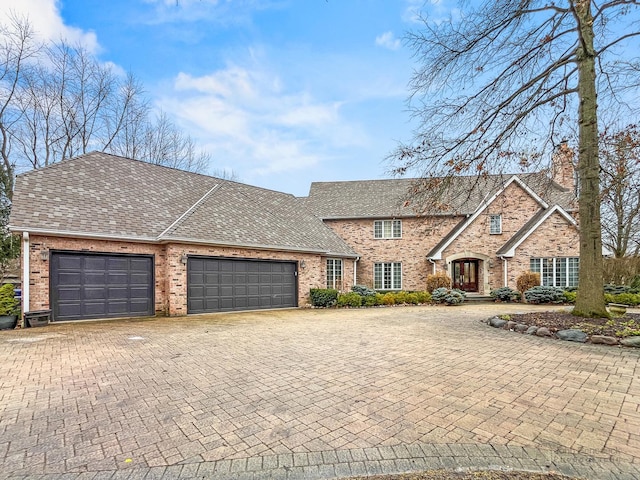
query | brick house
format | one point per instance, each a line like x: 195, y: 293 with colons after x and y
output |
x: 106, y: 236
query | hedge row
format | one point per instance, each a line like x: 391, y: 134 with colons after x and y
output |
x: 365, y: 297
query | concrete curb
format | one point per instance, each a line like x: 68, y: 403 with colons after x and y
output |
x: 375, y: 461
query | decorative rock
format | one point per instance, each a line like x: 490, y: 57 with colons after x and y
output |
x: 531, y: 330
x: 604, y: 339
x: 572, y: 335
x: 521, y: 327
x: 631, y: 341
x: 497, y: 322
x: 511, y: 325
x: 543, y: 332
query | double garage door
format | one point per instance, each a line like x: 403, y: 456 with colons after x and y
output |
x: 87, y: 285
x: 224, y: 284
x: 91, y: 285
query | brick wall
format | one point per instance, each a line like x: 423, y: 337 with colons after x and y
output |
x: 516, y: 207
x: 419, y: 235
x: 39, y: 276
x: 313, y: 275
x: 170, y: 272
x: 554, y: 238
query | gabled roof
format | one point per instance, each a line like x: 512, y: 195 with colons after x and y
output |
x: 509, y: 248
x: 387, y: 198
x: 436, y: 252
x: 98, y: 195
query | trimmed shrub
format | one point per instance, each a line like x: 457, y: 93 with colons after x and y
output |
x: 438, y: 280
x: 632, y: 299
x: 412, y: 298
x: 324, y: 297
x: 438, y: 294
x: 363, y: 291
x: 9, y: 304
x: 370, y: 300
x: 400, y: 297
x: 388, y: 298
x: 540, y: 294
x: 350, y: 299
x: 448, y: 296
x: 527, y: 280
x: 617, y: 289
x: 570, y: 296
x: 423, y: 297
x: 454, y: 297
x: 505, y: 294
x: 379, y: 298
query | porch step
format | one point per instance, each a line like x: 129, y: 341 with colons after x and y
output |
x: 477, y: 298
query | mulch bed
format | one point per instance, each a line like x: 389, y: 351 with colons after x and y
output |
x: 559, y: 320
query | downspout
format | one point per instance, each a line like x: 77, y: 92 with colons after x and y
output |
x: 505, y: 270
x: 25, y: 272
x: 433, y: 263
x: 355, y: 270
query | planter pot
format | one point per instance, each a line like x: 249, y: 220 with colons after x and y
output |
x: 8, y: 322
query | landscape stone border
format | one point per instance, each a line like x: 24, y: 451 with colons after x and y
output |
x: 569, y: 335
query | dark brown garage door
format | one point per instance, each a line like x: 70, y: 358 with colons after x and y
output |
x: 86, y: 285
x: 222, y: 284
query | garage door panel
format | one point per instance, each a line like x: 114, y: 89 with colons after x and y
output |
x: 240, y: 285
x: 95, y: 293
x: 89, y: 285
x: 94, y: 278
x: 70, y: 294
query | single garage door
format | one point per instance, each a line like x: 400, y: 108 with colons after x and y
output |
x: 88, y: 285
x: 224, y: 284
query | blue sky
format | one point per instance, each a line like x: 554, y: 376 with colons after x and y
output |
x: 283, y: 92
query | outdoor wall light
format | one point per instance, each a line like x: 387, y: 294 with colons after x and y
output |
x: 302, y: 264
x: 44, y: 255
x: 184, y: 258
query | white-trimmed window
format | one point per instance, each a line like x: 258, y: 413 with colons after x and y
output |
x: 387, y: 276
x: 334, y: 273
x: 387, y: 229
x: 556, y: 272
x: 495, y: 224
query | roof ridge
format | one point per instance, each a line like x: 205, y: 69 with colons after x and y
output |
x: 188, y: 212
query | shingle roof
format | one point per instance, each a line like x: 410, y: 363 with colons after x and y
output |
x: 387, y: 198
x: 104, y: 195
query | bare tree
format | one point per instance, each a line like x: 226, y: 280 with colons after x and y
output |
x: 511, y: 74
x: 58, y: 101
x: 620, y: 179
x: 17, y: 48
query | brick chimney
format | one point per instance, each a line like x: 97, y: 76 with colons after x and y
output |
x: 562, y: 169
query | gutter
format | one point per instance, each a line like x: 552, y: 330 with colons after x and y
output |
x: 166, y: 240
x: 355, y: 270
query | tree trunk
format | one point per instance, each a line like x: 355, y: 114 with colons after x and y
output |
x: 590, y: 300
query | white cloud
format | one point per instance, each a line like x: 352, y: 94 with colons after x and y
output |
x: 248, y: 119
x: 388, y: 40
x: 45, y: 18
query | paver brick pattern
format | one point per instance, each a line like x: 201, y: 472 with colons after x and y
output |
x: 307, y: 386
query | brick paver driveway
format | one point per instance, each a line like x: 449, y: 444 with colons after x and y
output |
x: 312, y: 394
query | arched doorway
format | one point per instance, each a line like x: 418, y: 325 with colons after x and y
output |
x: 469, y: 271
x: 465, y: 274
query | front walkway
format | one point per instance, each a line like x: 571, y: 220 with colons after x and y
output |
x: 312, y: 394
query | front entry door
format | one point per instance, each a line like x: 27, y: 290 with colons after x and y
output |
x: 465, y: 275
